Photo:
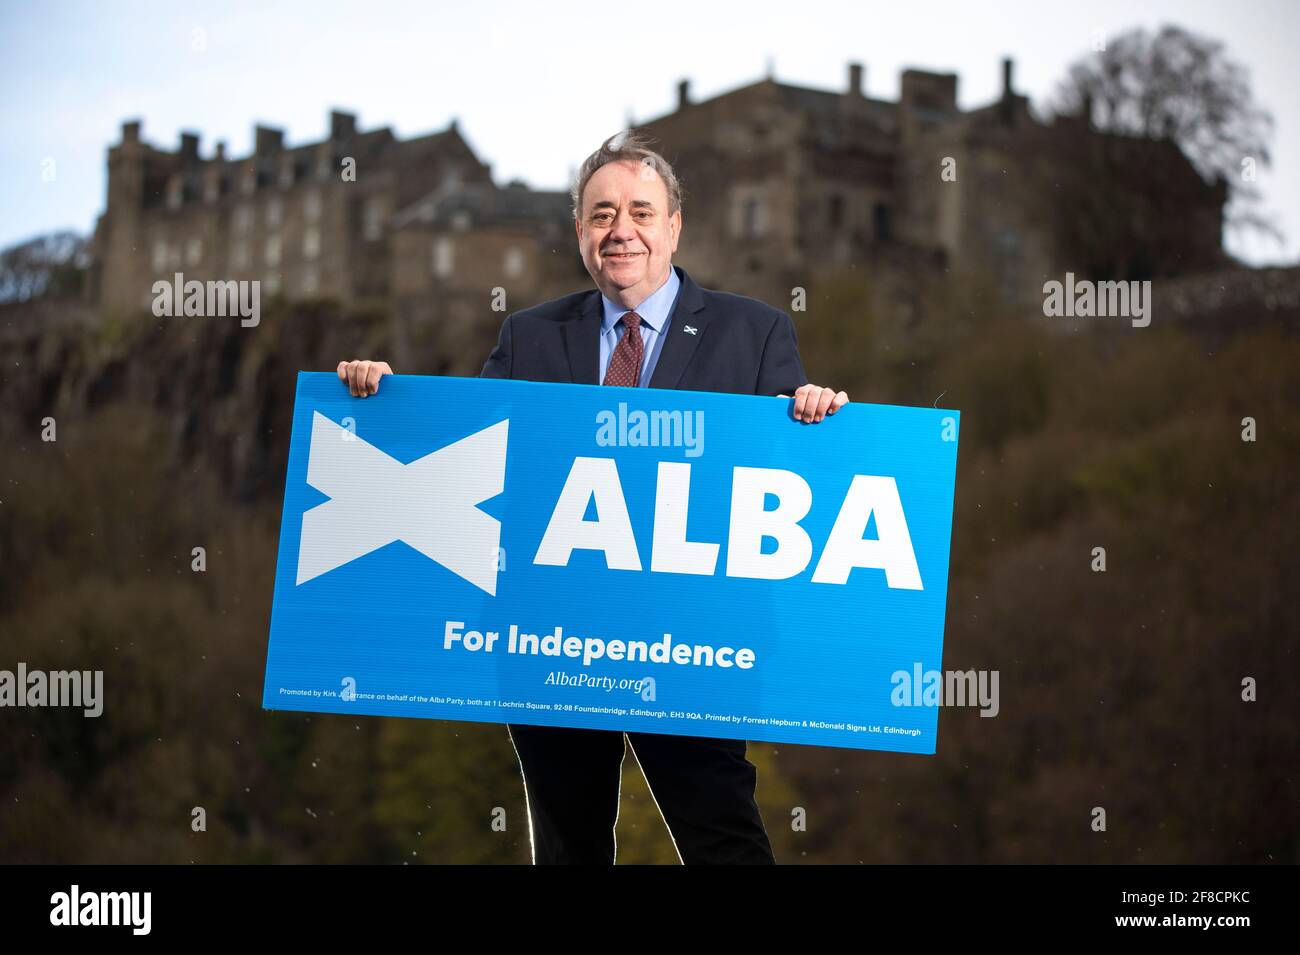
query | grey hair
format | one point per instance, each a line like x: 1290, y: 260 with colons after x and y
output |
x: 624, y: 146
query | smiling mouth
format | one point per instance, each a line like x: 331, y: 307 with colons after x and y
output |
x: 622, y: 255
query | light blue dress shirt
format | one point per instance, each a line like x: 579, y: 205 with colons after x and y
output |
x: 655, y: 312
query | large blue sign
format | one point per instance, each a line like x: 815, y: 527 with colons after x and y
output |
x: 637, y: 559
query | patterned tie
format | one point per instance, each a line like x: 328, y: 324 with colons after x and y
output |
x: 625, y: 364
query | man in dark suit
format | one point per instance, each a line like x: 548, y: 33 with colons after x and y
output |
x: 646, y: 324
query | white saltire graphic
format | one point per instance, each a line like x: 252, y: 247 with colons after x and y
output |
x: 430, y: 504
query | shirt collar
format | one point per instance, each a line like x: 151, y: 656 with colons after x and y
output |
x: 653, y: 311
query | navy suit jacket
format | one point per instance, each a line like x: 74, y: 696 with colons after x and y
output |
x: 739, y: 345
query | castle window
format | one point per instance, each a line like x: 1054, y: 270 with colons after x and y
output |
x: 1007, y: 264
x: 159, y: 255
x: 193, y: 251
x: 880, y: 223
x: 311, y: 242
x: 372, y: 219
x: 752, y: 224
x: 273, y: 251
x: 514, y: 261
x: 175, y: 192
x: 272, y: 283
x: 444, y: 257
x: 244, y: 219
x: 274, y: 212
x: 310, y: 280
x: 239, y: 255
x: 311, y: 206
x: 836, y: 214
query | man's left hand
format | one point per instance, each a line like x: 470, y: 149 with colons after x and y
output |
x: 813, y: 402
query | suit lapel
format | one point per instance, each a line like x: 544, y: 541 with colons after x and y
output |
x: 582, y: 341
x: 680, y: 344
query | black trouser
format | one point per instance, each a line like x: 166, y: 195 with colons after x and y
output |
x: 704, y: 789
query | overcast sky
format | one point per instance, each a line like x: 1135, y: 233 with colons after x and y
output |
x: 536, y: 85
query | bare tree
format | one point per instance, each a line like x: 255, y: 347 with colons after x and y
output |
x: 1181, y: 87
x: 51, y: 264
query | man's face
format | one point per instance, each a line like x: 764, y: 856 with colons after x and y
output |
x: 625, y: 234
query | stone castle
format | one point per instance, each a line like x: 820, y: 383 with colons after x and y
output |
x: 781, y: 184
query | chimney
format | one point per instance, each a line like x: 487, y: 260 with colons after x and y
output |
x: 221, y: 152
x: 1007, y: 106
x: 855, y: 79
x: 683, y: 94
x: 342, y: 125
x: 267, y: 140
x: 189, y: 147
x: 1085, y: 109
x: 131, y: 131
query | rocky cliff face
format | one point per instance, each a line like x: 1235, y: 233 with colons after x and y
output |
x: 224, y: 391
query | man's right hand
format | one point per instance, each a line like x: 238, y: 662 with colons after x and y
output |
x: 362, y: 377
